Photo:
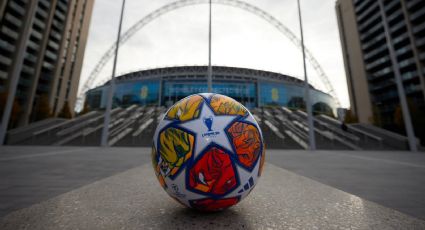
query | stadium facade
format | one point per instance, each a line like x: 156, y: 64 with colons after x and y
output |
x: 253, y: 88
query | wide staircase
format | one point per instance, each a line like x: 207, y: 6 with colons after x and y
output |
x: 134, y: 126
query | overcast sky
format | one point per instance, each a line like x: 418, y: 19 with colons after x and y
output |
x: 240, y: 38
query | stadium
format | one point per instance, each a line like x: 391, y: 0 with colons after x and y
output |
x: 141, y: 99
x: 253, y: 88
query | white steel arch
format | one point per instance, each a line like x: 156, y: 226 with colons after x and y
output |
x: 183, y: 3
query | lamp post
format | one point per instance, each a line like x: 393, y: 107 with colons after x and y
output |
x: 209, y: 51
x: 311, y: 136
x: 111, y: 90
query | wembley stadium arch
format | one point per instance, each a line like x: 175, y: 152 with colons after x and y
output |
x: 89, y: 83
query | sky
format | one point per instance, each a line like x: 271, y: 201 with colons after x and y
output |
x: 240, y: 39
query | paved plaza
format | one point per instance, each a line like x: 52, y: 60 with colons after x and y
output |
x: 73, y: 187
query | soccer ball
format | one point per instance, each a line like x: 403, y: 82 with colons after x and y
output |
x: 208, y: 152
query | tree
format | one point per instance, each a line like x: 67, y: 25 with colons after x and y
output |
x: 86, y: 109
x: 376, y: 119
x: 398, y: 118
x: 65, y: 111
x: 43, y: 110
x: 350, y: 117
x: 417, y: 116
x: 16, y: 109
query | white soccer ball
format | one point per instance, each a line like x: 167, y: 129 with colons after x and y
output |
x: 208, y: 152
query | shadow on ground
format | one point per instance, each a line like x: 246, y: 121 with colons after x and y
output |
x: 192, y: 219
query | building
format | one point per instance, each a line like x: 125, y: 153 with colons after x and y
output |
x: 253, y: 88
x: 369, y: 70
x: 54, y: 48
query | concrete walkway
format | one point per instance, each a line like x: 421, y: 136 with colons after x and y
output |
x: 104, y: 183
x: 392, y: 179
x: 29, y: 175
x: 134, y: 200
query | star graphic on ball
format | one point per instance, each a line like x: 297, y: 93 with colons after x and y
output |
x: 209, y: 128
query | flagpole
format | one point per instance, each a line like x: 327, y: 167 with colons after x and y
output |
x: 105, y: 130
x: 209, y: 51
x: 311, y: 136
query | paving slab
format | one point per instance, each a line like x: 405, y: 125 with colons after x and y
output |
x: 394, y: 179
x: 281, y: 200
x: 32, y: 174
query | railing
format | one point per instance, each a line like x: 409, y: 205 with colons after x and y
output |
x: 143, y: 127
x: 274, y: 129
x: 291, y: 130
